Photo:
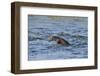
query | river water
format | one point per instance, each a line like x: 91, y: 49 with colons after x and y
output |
x: 72, y: 29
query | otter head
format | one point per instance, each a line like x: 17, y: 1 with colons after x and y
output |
x: 50, y: 38
x: 53, y: 38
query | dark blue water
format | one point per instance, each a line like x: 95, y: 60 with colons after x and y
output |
x: 72, y: 29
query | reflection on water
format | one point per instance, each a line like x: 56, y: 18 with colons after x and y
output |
x: 72, y: 29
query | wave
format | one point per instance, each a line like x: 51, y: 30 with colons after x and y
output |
x: 71, y: 35
x: 65, y: 35
x: 30, y: 38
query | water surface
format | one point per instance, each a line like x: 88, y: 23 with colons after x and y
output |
x: 72, y: 29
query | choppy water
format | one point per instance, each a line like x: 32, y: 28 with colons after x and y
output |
x: 72, y: 29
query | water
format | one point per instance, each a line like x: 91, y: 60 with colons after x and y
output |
x: 72, y: 29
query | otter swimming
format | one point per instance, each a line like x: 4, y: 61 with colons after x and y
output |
x: 59, y: 40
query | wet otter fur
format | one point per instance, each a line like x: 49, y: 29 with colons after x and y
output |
x: 59, y: 40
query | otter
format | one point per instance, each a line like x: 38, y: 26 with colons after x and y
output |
x: 59, y: 40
